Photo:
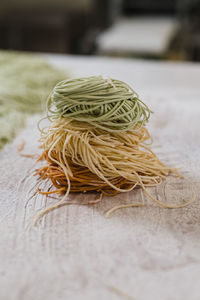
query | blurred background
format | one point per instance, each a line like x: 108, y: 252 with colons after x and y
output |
x: 158, y: 29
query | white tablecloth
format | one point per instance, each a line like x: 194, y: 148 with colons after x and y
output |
x: 139, y: 253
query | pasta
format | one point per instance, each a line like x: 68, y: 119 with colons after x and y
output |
x: 76, y: 151
x: 97, y: 141
x: 26, y: 81
x: 109, y: 104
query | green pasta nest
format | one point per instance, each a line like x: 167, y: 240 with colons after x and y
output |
x: 109, y: 104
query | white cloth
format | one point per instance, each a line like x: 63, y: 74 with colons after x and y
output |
x: 76, y: 253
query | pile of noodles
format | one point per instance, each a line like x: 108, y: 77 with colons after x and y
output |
x: 25, y: 82
x: 97, y: 140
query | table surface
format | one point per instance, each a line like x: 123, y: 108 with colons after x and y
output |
x: 146, y: 35
x: 139, y: 253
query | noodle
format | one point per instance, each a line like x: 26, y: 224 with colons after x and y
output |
x: 26, y: 81
x: 97, y: 141
x: 92, y: 159
x: 109, y: 104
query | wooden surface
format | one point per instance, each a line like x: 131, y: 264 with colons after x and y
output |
x: 139, y: 253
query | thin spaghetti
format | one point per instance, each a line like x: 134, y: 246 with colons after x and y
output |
x: 97, y: 141
x: 105, y: 103
x: 84, y: 159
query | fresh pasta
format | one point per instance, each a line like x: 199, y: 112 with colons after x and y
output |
x: 26, y: 81
x: 97, y: 141
x: 73, y: 147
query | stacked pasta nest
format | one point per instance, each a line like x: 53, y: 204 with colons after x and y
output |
x: 97, y: 139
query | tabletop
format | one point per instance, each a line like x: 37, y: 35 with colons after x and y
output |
x: 139, y: 253
x: 144, y: 35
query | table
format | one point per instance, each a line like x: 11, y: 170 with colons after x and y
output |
x: 138, y: 36
x: 139, y: 253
